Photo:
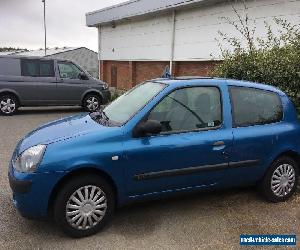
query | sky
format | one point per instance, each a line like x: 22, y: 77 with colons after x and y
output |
x: 21, y: 23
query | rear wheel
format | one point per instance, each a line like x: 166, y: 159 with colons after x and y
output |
x: 281, y: 180
x: 84, y: 206
x: 92, y: 103
x: 8, y: 105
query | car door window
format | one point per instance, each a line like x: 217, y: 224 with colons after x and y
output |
x: 189, y: 109
x: 68, y: 70
x: 254, y: 106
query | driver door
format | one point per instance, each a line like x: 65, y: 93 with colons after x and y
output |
x: 193, y: 145
x: 69, y: 87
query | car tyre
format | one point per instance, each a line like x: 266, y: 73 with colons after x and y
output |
x: 8, y: 105
x: 281, y: 180
x: 85, y: 214
x: 92, y: 103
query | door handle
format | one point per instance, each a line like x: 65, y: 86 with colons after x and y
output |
x: 219, y: 143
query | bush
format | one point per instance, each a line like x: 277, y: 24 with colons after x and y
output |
x: 274, y: 60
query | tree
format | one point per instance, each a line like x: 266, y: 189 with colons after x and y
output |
x: 11, y: 49
x: 272, y: 60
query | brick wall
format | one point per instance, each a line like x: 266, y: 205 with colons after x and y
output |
x: 194, y: 68
x: 149, y: 70
x: 126, y: 74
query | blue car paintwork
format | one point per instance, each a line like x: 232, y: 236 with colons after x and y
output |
x: 79, y: 142
x: 58, y: 130
x: 175, y: 151
x: 35, y: 203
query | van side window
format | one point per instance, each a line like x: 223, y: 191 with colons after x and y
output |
x: 30, y: 67
x: 254, y: 106
x: 68, y: 70
x: 37, y: 68
x: 46, y: 69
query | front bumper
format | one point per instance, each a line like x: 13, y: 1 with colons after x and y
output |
x: 32, y: 191
x: 19, y: 186
x: 106, y: 96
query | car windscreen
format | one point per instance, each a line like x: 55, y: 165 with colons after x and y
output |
x: 127, y: 105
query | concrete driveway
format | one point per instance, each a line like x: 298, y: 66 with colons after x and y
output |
x: 210, y: 220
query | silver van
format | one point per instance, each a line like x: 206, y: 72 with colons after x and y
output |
x: 32, y: 81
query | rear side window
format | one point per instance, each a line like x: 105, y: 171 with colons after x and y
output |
x: 254, y: 106
x: 30, y: 68
x: 37, y: 68
x: 46, y: 69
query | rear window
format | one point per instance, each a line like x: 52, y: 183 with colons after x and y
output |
x: 254, y: 106
x: 37, y: 68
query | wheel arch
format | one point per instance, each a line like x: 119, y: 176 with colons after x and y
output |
x: 75, y: 173
x: 11, y: 92
x: 292, y: 154
x: 91, y: 92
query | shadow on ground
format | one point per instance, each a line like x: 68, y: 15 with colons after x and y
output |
x: 48, y: 110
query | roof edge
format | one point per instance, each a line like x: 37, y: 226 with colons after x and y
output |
x: 111, y: 7
x: 135, y: 8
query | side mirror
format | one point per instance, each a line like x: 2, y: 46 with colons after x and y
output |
x: 150, y: 127
x: 83, y: 76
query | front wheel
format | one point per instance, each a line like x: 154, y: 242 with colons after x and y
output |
x: 91, y: 103
x: 84, y: 206
x: 281, y: 180
x: 8, y: 105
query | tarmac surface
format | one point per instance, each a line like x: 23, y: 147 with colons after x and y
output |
x: 207, y: 220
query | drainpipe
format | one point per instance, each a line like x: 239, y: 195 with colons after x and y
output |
x: 172, y: 41
x: 99, y: 51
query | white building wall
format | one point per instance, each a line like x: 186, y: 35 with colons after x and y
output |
x: 196, y: 31
x: 145, y: 39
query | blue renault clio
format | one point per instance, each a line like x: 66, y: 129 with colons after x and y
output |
x: 164, y: 136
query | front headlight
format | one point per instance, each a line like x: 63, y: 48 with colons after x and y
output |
x: 29, y: 160
x: 105, y: 86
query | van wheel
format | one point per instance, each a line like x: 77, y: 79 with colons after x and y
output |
x: 84, y: 206
x: 8, y: 105
x: 281, y: 180
x: 91, y: 103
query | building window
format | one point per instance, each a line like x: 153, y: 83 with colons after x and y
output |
x: 254, y: 106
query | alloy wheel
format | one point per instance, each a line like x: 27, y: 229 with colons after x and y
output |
x: 7, y: 105
x: 92, y: 103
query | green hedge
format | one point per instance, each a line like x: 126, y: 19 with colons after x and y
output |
x: 274, y: 61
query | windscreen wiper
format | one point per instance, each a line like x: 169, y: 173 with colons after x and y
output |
x: 99, y: 116
x: 104, y: 115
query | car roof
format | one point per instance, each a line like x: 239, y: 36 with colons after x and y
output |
x: 195, y: 80
x: 47, y: 58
